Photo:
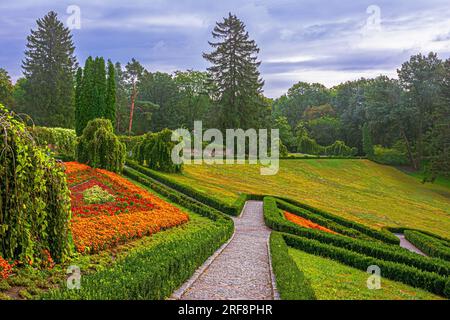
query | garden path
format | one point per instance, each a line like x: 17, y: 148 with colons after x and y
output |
x: 241, y: 269
x: 408, y: 245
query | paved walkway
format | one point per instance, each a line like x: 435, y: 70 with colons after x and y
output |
x: 408, y: 245
x: 240, y: 270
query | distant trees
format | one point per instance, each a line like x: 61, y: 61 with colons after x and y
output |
x: 6, y: 89
x: 133, y: 73
x: 49, y: 67
x: 234, y: 72
x: 95, y: 95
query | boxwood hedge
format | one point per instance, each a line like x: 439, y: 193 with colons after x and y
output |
x: 430, y: 245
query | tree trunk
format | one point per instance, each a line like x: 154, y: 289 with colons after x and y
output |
x: 408, y: 147
x: 133, y: 99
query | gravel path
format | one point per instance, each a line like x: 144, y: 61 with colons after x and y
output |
x: 408, y: 245
x: 241, y: 270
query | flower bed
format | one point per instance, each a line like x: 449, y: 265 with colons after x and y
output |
x: 302, y: 222
x: 134, y: 213
x: 5, y: 268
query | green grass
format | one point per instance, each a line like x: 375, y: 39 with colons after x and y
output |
x: 331, y: 280
x: 359, y: 190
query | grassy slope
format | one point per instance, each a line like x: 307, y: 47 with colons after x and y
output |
x: 334, y: 281
x: 361, y: 190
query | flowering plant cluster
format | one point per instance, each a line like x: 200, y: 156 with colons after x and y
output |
x: 5, y: 268
x: 134, y: 213
x: 302, y: 222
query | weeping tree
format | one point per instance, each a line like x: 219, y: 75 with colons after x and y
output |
x: 34, y: 197
x: 99, y: 147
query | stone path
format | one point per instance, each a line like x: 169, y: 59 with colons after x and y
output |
x: 408, y: 245
x: 241, y: 269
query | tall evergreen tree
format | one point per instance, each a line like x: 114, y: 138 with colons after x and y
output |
x: 78, y: 93
x: 110, y: 103
x: 99, y: 88
x: 235, y: 74
x: 49, y: 67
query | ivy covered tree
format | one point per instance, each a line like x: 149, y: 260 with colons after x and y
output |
x: 49, y: 67
x: 234, y: 72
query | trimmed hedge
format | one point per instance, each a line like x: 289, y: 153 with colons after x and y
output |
x: 233, y: 210
x: 429, y: 245
x: 429, y: 281
x: 291, y: 282
x: 154, y: 272
x: 383, y: 235
x: 63, y: 142
x: 378, y: 250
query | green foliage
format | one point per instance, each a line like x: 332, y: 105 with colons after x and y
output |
x: 233, y: 210
x: 155, y: 150
x: 110, y: 103
x: 34, y: 197
x: 389, y: 156
x: 49, y: 67
x: 6, y: 88
x: 429, y: 281
x: 430, y: 245
x: 61, y: 141
x: 97, y: 195
x: 291, y: 282
x: 324, y: 130
x: 99, y: 147
x: 367, y: 141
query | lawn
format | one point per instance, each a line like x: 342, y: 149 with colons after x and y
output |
x: 360, y: 190
x: 331, y: 280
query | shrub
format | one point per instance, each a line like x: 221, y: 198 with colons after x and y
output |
x: 291, y: 282
x: 34, y: 197
x: 432, y: 246
x: 339, y: 148
x: 155, y: 150
x: 130, y: 143
x: 61, y: 141
x: 395, y: 271
x: 391, y: 157
x: 96, y: 195
x: 99, y: 147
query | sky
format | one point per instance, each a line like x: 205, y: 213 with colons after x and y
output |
x: 300, y: 40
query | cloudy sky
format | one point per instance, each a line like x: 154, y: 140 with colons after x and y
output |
x: 300, y: 40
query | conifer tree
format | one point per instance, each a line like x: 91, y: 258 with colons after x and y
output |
x: 49, y: 67
x: 99, y: 102
x: 78, y: 112
x: 234, y: 71
x: 110, y: 110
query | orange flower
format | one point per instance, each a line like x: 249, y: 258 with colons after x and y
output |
x: 302, y: 222
x: 5, y: 268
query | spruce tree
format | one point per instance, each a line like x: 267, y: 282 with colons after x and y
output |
x: 99, y: 102
x: 49, y: 67
x: 78, y: 111
x: 110, y: 109
x: 235, y: 74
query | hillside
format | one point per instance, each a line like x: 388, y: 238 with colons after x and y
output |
x: 361, y: 190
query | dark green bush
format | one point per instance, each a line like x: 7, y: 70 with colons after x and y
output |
x: 62, y: 142
x: 233, y: 210
x: 130, y: 142
x: 390, y: 157
x: 99, y: 147
x: 291, y: 282
x: 34, y: 197
x: 429, y: 281
x: 155, y: 150
x: 432, y: 246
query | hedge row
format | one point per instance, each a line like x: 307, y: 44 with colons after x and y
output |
x: 429, y: 245
x: 378, y: 250
x: 429, y: 281
x: 62, y: 142
x: 233, y: 210
x: 291, y: 282
x: 153, y: 272
x: 383, y: 235
x: 402, y: 230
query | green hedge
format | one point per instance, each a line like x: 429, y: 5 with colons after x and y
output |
x: 154, y: 272
x: 233, y: 210
x: 429, y: 281
x: 383, y: 235
x: 378, y: 250
x: 429, y: 245
x: 63, y: 142
x: 291, y: 282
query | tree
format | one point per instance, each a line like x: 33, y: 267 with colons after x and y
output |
x: 49, y: 67
x: 133, y: 73
x: 122, y: 99
x: 235, y: 74
x: 110, y: 103
x: 79, y: 123
x: 6, y: 89
x: 325, y: 130
x: 286, y: 135
x: 367, y: 141
x: 99, y: 103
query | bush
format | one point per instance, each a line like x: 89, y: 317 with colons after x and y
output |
x: 155, y: 150
x: 34, y: 197
x: 99, y: 147
x: 395, y: 271
x: 233, y: 210
x: 130, y: 143
x: 97, y: 195
x: 291, y: 282
x: 62, y: 142
x: 432, y: 246
x: 340, y: 149
x: 392, y: 157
